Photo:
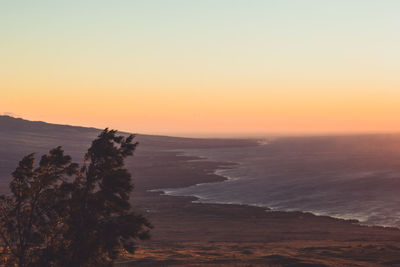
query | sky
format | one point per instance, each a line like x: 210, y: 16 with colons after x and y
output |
x: 203, y: 68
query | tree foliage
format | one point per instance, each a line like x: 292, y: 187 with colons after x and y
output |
x: 63, y: 214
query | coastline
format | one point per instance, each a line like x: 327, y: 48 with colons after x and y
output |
x: 221, y: 176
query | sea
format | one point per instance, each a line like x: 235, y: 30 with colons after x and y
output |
x: 348, y: 177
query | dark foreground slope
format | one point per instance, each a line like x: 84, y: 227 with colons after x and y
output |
x: 207, y: 234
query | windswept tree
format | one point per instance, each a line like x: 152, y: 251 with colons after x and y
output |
x: 62, y: 214
x: 31, y: 219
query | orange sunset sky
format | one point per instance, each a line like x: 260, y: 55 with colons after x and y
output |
x: 204, y: 68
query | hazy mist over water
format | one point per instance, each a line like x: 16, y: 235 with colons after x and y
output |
x: 351, y: 177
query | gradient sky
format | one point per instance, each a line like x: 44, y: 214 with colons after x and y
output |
x: 205, y: 67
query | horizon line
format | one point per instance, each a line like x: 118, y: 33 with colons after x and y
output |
x: 225, y: 135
